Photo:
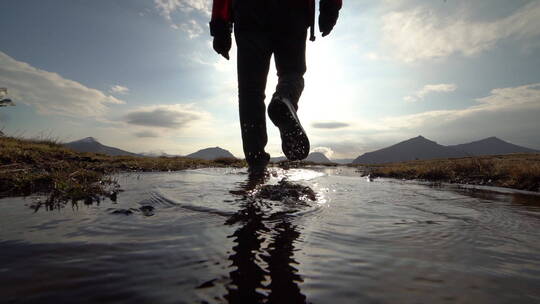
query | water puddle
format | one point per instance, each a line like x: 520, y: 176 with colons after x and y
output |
x: 315, y: 235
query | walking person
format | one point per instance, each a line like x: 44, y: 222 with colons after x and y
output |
x: 263, y: 28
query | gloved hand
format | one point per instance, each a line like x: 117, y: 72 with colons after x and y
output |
x: 328, y: 15
x: 222, y: 45
x: 221, y: 31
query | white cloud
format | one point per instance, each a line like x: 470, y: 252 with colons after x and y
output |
x: 327, y: 151
x: 192, y: 28
x: 118, y: 89
x: 517, y: 97
x: 420, y: 33
x: 176, y: 127
x: 177, y: 116
x: 167, y: 8
x: 430, y: 88
x: 522, y: 98
x: 510, y: 113
x: 49, y: 92
x: 146, y: 134
x: 329, y: 124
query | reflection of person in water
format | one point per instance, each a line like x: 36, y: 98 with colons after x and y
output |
x: 256, y: 260
x: 263, y: 28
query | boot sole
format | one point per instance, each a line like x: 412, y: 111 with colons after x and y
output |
x: 294, y: 141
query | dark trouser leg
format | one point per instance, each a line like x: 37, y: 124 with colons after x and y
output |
x: 254, y: 55
x: 290, y: 58
x: 290, y: 86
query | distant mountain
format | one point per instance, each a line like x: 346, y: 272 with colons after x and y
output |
x: 211, y: 154
x: 491, y: 146
x: 156, y: 154
x: 316, y: 157
x: 412, y: 149
x: 90, y: 144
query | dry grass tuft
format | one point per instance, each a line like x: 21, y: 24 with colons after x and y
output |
x: 518, y: 171
x: 45, y: 166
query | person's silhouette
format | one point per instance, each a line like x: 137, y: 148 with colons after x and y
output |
x: 263, y: 28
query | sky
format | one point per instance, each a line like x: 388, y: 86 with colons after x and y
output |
x: 141, y: 75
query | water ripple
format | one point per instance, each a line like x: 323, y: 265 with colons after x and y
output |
x: 318, y: 235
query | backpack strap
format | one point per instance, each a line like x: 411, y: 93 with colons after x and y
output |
x: 312, y: 20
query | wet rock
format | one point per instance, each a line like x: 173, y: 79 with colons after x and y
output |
x: 286, y: 190
x: 113, y: 196
x: 147, y: 210
x: 124, y: 211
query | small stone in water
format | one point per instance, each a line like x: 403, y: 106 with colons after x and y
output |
x: 122, y: 211
x: 147, y: 210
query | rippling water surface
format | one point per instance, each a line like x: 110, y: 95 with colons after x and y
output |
x: 324, y: 236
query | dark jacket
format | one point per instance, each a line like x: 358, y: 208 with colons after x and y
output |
x: 222, y: 18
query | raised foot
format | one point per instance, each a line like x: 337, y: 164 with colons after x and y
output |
x: 294, y: 140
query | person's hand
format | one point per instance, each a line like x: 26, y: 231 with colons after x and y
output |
x: 327, y: 23
x: 221, y: 31
x: 328, y: 16
x: 222, y: 45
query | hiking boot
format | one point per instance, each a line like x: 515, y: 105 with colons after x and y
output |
x: 294, y: 141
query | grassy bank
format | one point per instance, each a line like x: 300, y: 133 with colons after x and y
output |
x: 37, y: 166
x: 518, y: 171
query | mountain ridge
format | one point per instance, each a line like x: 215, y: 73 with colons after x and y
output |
x: 91, y: 144
x: 491, y: 146
x: 421, y: 148
x: 416, y: 148
x: 316, y: 157
x: 211, y: 154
